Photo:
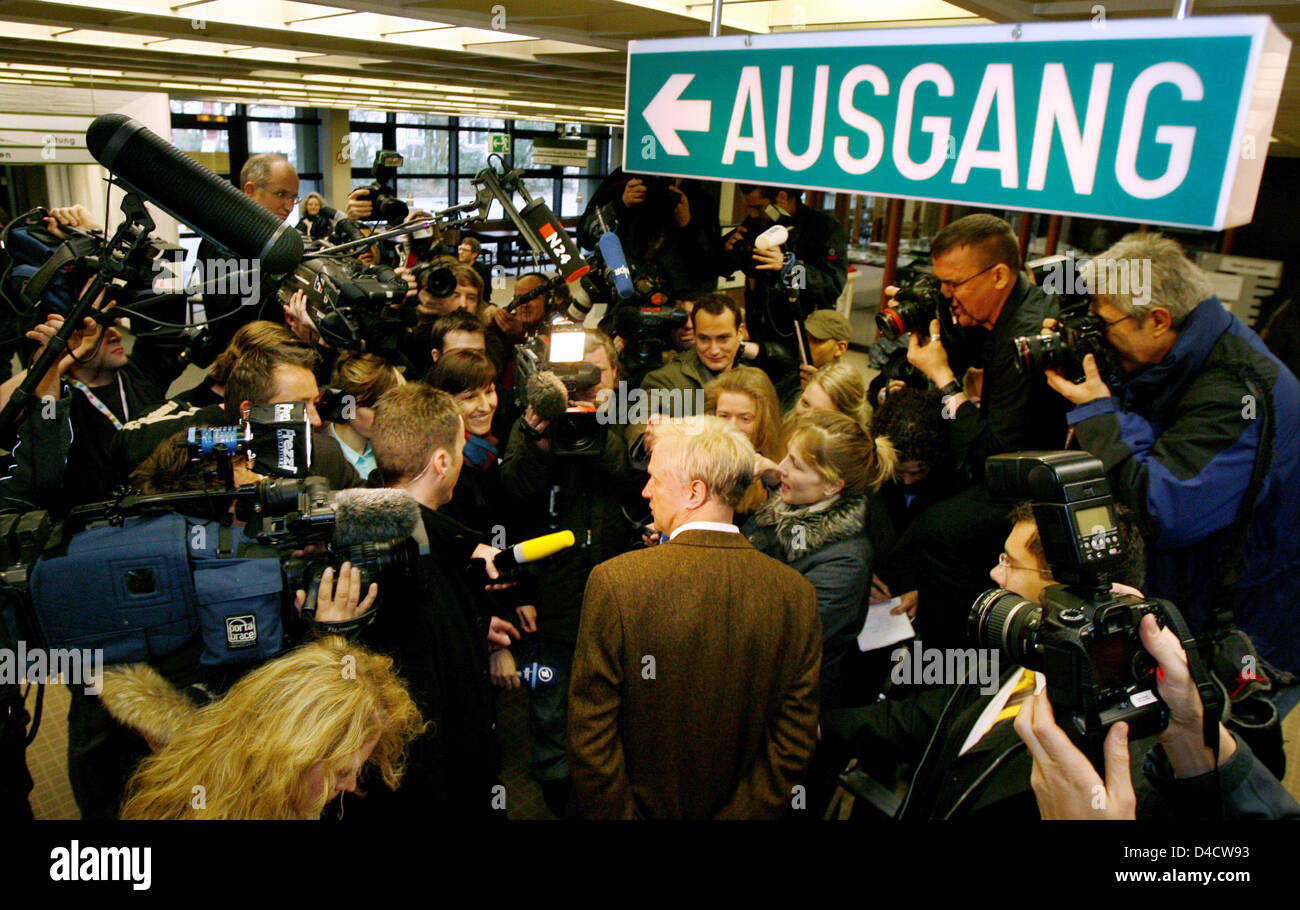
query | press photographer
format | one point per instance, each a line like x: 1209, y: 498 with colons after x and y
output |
x: 668, y: 228
x: 963, y: 758
x: 815, y: 240
x: 985, y: 303
x: 1196, y: 437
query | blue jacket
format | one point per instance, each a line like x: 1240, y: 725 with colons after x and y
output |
x: 1178, y: 441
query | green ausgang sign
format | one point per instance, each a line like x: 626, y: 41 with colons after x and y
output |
x: 1160, y: 121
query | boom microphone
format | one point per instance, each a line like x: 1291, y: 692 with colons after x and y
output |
x: 611, y: 248
x: 192, y: 194
x: 364, y: 515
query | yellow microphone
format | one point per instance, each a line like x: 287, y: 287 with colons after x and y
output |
x: 533, y: 549
x: 510, y: 559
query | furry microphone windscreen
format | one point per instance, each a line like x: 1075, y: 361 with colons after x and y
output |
x: 547, y: 395
x: 364, y: 515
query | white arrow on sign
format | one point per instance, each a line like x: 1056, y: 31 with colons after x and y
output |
x: 667, y: 113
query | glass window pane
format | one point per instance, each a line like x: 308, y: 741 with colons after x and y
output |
x: 534, y: 125
x: 201, y: 140
x: 424, y: 151
x: 576, y: 194
x: 426, y: 119
x: 277, y: 137
x: 266, y: 110
x: 542, y: 188
x: 523, y: 152
x: 473, y: 150
x: 202, y: 107
x: 428, y: 193
x: 466, y: 191
x: 368, y: 116
x: 362, y: 148
x: 482, y: 123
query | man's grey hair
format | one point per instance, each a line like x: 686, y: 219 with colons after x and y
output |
x: 257, y: 170
x: 712, y: 450
x: 1146, y: 270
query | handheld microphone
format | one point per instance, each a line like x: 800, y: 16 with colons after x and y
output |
x: 364, y: 515
x: 192, y: 194
x: 537, y: 676
x: 772, y: 237
x: 554, y: 240
x: 510, y: 559
x: 611, y: 248
x: 533, y: 550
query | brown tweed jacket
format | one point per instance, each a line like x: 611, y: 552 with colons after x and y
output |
x: 694, y: 683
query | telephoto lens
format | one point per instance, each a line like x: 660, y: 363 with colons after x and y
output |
x: 916, y: 303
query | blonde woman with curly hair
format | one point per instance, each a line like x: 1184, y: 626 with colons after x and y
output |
x: 838, y: 386
x: 744, y: 396
x: 283, y: 742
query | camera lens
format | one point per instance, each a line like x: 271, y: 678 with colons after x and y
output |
x: 440, y: 281
x: 1035, y: 352
x: 1004, y: 620
x: 390, y: 208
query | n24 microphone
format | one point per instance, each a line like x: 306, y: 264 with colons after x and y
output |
x: 611, y: 249
x: 192, y: 194
x: 555, y: 240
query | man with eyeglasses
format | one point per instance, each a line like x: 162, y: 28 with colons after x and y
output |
x: 990, y: 303
x: 1180, y: 436
x: 270, y: 181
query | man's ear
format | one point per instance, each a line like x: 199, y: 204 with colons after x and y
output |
x: 1161, y: 321
x: 245, y: 408
x: 744, y: 333
x: 699, y: 494
x: 435, y: 354
x: 841, y: 348
x: 249, y: 188
x: 619, y: 343
x: 1003, y: 275
x: 440, y: 463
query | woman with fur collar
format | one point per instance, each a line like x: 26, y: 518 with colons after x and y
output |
x: 816, y: 523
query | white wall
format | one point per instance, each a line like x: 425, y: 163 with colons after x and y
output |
x: 84, y: 183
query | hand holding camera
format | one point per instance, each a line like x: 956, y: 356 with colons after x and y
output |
x: 1077, y: 392
x: 342, y: 603
x: 1066, y: 784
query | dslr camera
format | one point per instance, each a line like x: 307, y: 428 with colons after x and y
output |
x: 384, y: 203
x: 1082, y: 637
x: 1077, y: 333
x: 916, y: 303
